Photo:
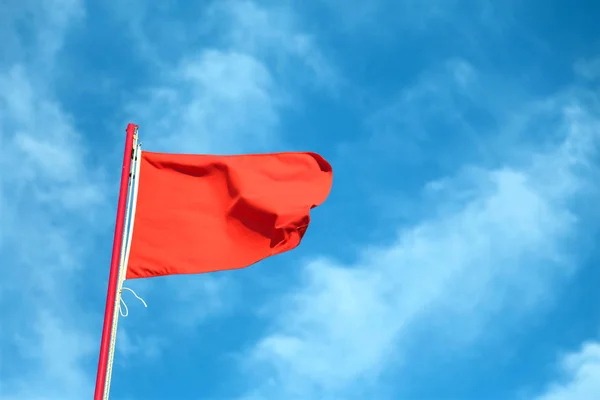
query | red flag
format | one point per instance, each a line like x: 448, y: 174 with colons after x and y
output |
x: 201, y: 213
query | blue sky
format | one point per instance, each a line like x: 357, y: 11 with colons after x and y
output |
x: 456, y: 257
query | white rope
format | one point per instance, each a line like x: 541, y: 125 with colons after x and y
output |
x: 124, y: 305
x: 125, y: 250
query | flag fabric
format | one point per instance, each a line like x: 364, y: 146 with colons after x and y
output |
x: 203, y: 213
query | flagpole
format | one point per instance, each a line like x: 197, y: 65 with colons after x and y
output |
x: 109, y: 311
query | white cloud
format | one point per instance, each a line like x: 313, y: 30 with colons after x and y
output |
x: 228, y: 95
x: 378, y: 16
x: 495, y: 242
x: 198, y: 297
x: 216, y: 102
x: 580, y: 375
x: 275, y: 34
x: 446, y: 94
x: 588, y: 69
x: 47, y: 194
x: 137, y: 346
x: 54, y: 353
x: 30, y: 25
x: 38, y: 136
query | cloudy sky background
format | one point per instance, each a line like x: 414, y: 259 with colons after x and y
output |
x: 456, y: 257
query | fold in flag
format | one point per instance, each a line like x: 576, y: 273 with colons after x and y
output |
x: 203, y: 213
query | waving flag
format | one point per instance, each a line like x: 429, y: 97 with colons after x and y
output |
x: 201, y: 213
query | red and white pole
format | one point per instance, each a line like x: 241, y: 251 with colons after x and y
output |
x: 111, y: 295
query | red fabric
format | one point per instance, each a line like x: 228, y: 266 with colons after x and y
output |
x: 201, y: 213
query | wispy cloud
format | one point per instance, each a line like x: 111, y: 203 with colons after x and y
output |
x: 228, y: 95
x: 132, y: 345
x: 48, y: 193
x: 216, y: 101
x: 580, y: 375
x: 34, y: 32
x: 588, y: 68
x: 418, y: 17
x: 495, y: 241
x: 274, y: 33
